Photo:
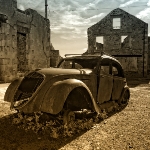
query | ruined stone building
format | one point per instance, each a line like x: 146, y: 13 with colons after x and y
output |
x: 24, y: 40
x: 54, y: 57
x: 125, y: 37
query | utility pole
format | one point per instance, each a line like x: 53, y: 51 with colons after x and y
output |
x: 46, y: 9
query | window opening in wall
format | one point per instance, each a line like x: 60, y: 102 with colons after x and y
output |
x: 116, y: 23
x: 100, y: 39
x: 99, y: 43
x: 123, y: 38
x: 125, y: 41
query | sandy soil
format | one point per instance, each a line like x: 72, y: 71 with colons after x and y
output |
x: 124, y: 130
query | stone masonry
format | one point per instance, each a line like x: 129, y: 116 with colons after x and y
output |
x: 24, y: 41
x: 126, y: 39
x: 55, y: 58
x: 149, y: 55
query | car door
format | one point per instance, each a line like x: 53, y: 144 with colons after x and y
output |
x: 118, y: 81
x: 105, y: 85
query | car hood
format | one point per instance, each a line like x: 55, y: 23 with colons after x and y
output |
x: 60, y: 71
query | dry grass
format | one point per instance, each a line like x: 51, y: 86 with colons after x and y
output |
x: 127, y: 129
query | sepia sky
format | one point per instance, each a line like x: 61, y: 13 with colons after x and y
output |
x: 70, y: 19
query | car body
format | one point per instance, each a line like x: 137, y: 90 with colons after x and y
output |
x: 90, y: 82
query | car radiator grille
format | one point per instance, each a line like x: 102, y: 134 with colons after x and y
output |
x: 28, y: 86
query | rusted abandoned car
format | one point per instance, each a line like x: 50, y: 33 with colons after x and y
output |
x: 88, y: 82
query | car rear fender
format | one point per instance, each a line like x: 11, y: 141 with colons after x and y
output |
x: 126, y: 88
x: 9, y: 94
x: 56, y: 96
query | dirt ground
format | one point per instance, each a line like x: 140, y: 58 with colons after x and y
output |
x: 124, y: 130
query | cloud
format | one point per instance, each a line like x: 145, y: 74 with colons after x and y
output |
x: 97, y: 1
x: 128, y: 3
x: 121, y: 0
x: 97, y: 17
x: 74, y: 26
x: 148, y: 3
x: 72, y: 19
x: 21, y: 7
x: 145, y: 14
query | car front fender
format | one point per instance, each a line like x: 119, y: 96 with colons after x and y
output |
x: 57, y: 94
x: 9, y: 94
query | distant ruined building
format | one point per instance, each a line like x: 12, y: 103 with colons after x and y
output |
x: 54, y: 57
x: 125, y: 37
x: 24, y: 41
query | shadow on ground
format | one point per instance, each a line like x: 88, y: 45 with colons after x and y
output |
x: 13, y: 138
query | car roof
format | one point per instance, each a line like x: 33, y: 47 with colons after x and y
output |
x: 104, y: 56
x: 82, y: 57
x: 90, y: 56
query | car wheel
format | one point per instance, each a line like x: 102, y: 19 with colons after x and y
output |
x: 125, y: 98
x: 68, y: 116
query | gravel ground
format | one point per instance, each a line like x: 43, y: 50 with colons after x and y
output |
x: 128, y: 129
x: 124, y: 130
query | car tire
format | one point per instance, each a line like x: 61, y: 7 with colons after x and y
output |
x: 124, y: 98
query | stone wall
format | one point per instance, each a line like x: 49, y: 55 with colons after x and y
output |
x: 149, y: 55
x: 128, y: 42
x: 55, y: 58
x: 24, y: 41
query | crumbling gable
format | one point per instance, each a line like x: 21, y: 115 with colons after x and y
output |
x: 123, y: 36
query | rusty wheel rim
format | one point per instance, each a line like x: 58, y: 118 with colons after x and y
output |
x: 68, y: 117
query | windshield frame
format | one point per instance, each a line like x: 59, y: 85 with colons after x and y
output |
x: 83, y: 61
